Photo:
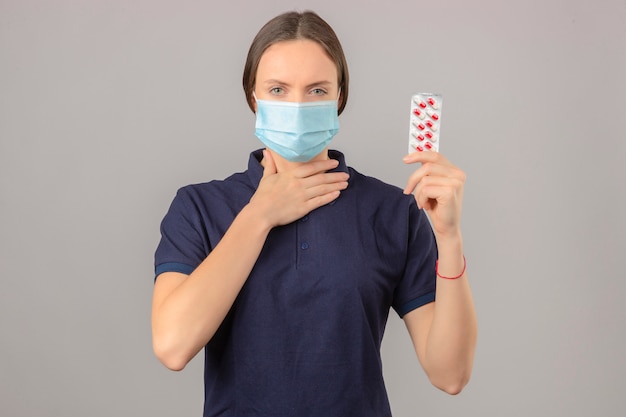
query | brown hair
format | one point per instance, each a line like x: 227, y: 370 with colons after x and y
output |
x: 291, y: 26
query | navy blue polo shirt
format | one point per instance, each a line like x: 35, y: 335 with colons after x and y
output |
x: 304, y: 334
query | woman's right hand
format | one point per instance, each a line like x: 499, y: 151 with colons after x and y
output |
x: 283, y: 197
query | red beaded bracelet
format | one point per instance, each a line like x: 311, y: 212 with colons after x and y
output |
x: 458, y: 276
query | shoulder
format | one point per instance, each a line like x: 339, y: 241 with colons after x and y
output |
x: 215, y: 197
x: 230, y: 187
x: 374, y: 189
x: 361, y: 182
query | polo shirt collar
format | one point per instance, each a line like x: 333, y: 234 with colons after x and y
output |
x: 255, y: 169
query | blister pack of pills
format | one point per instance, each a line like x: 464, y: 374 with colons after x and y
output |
x: 425, y: 123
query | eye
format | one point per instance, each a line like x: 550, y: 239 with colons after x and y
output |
x: 276, y: 91
x: 318, y: 92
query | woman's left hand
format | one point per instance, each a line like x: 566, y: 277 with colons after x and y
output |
x: 438, y: 189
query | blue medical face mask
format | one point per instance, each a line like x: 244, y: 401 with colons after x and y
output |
x: 296, y: 131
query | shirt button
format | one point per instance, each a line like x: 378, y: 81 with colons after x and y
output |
x: 305, y: 218
x: 304, y: 245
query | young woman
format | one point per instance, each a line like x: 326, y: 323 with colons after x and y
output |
x: 285, y: 273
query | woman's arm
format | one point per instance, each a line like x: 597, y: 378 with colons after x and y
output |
x: 187, y: 310
x: 444, y: 332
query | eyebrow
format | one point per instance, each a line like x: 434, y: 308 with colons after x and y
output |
x: 322, y: 83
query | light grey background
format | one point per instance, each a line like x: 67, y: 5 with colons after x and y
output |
x: 107, y: 107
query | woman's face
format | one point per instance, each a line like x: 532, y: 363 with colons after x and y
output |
x: 297, y: 71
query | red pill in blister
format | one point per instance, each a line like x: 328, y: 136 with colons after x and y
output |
x: 428, y: 145
x: 418, y: 113
x: 433, y: 103
x: 433, y: 115
x: 420, y: 126
x: 420, y: 103
x: 429, y: 135
x: 419, y: 148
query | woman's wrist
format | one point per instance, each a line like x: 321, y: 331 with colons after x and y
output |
x: 250, y: 216
x: 449, y: 242
x: 451, y: 260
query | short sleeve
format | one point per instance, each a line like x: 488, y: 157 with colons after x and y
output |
x: 418, y: 283
x: 183, y: 246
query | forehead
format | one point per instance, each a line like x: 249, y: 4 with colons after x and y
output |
x: 294, y: 60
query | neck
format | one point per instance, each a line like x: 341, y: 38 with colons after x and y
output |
x: 283, y: 165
